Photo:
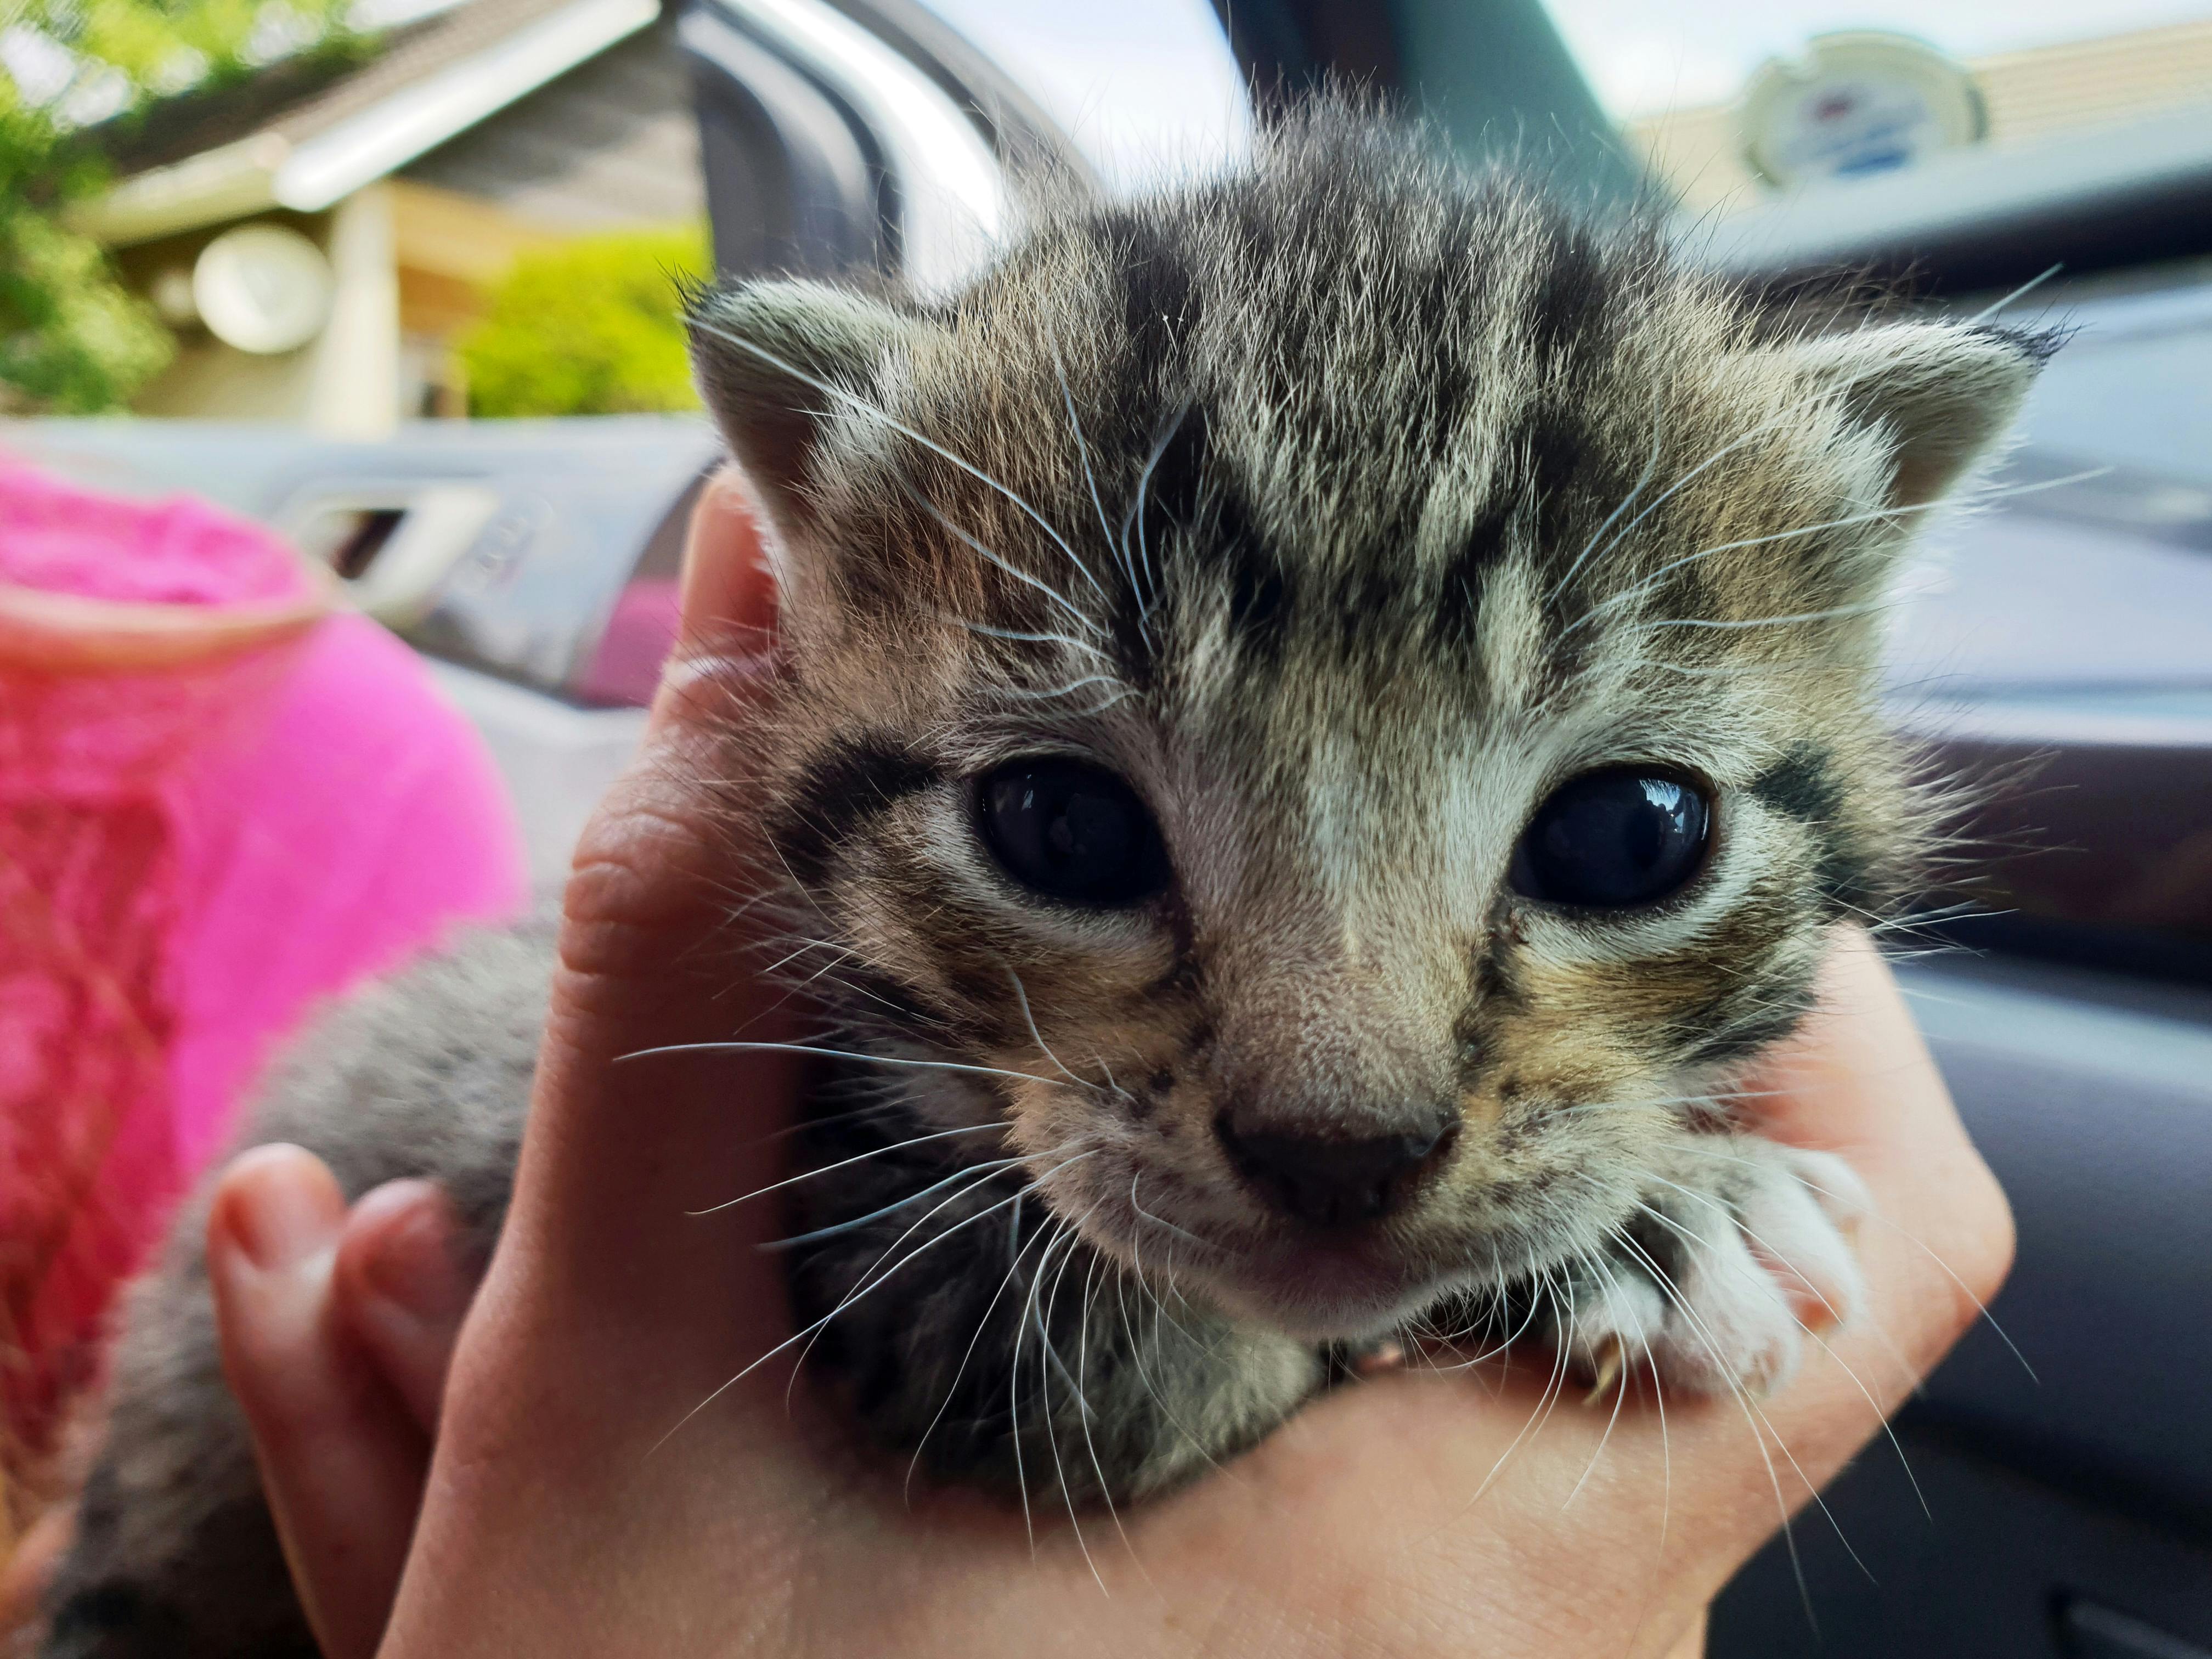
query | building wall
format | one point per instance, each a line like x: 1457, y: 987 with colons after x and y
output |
x: 610, y: 145
x: 344, y: 383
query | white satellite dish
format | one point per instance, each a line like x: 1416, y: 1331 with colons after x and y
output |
x: 263, y: 288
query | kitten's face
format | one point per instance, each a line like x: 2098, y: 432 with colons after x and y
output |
x: 1356, y: 790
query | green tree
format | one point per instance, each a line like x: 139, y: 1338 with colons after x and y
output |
x: 591, y: 327
x: 73, y: 339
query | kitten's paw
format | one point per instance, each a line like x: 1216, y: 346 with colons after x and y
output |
x: 1739, y: 1256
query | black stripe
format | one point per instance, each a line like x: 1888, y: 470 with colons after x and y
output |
x: 1800, y: 786
x: 1459, y: 594
x: 1740, y: 1024
x: 1573, y: 311
x: 838, y: 795
x: 1159, y: 295
x: 1557, y: 452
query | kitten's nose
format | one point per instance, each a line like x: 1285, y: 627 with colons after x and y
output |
x: 1333, y: 1181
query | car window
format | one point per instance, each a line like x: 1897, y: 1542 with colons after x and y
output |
x: 1143, y: 88
x: 1721, y: 96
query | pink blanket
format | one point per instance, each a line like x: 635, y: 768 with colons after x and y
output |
x: 194, y: 849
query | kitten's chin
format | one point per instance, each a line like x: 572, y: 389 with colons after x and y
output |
x: 1324, y: 1293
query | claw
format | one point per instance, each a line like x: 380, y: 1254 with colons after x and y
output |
x: 1383, y: 1356
x: 1607, y: 1362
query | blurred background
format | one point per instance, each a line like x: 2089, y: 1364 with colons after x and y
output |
x: 353, y: 324
x: 345, y: 213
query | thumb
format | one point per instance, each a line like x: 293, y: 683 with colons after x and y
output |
x: 634, y: 1127
x: 726, y: 631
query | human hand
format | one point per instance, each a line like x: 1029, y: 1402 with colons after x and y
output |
x: 1419, y: 1512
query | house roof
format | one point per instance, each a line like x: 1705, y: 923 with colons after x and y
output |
x: 612, y: 142
x: 303, y: 136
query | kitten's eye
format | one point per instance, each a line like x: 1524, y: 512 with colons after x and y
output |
x: 1072, y: 832
x: 1613, y: 840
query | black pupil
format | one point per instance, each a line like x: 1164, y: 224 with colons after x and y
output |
x: 1072, y: 832
x: 1613, y: 840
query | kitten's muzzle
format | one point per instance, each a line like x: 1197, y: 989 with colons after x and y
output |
x: 1334, y: 1181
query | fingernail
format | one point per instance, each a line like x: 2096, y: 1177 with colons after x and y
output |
x: 278, y: 1215
x: 729, y: 594
x: 411, y: 1268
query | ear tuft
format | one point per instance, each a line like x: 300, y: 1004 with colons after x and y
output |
x: 774, y: 359
x: 1945, y: 394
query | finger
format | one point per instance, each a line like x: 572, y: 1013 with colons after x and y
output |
x: 728, y: 612
x: 1858, y: 1080
x: 628, y: 1140
x: 1680, y: 1497
x: 26, y: 1573
x: 401, y: 1290
x: 341, y: 1463
x: 612, y: 1308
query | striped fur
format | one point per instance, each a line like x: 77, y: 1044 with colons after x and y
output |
x: 1344, y: 508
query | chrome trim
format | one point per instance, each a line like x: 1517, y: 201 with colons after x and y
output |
x: 955, y: 209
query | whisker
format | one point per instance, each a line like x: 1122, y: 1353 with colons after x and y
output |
x: 1082, y: 1370
x: 832, y: 1053
x: 1620, y: 1393
x: 1013, y: 1266
x: 1731, y: 1219
x: 959, y: 1175
x: 842, y: 395
x: 1752, y: 1418
x: 1687, y: 478
x: 1090, y: 475
x: 1830, y: 615
x: 1000, y: 560
x: 846, y: 1163
x: 1026, y: 637
x: 1876, y: 1215
x: 1082, y: 1407
x: 1651, y: 467
x: 2024, y: 289
x: 1136, y: 513
x: 1156, y: 1221
x: 1022, y: 996
x: 1053, y: 1234
x: 796, y: 1336
x: 1979, y: 498
x: 863, y: 1284
x: 1026, y: 695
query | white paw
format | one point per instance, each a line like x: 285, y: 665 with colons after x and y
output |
x: 1737, y: 1260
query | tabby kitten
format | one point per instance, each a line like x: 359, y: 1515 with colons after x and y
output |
x: 1333, y: 709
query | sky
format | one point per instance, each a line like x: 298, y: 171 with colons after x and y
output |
x: 1147, y: 85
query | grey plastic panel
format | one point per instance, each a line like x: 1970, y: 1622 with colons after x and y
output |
x: 2090, y: 1482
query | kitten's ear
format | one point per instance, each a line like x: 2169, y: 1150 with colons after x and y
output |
x: 1943, y: 394
x: 774, y: 360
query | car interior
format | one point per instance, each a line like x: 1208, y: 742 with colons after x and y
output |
x: 2048, y: 1494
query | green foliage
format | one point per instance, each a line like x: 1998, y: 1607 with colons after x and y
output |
x: 73, y: 339
x: 592, y: 327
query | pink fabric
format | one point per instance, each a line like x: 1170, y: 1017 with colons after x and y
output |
x: 364, y: 825
x: 62, y: 539
x: 190, y: 857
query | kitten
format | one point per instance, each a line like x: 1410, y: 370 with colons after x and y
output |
x: 1336, y: 708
